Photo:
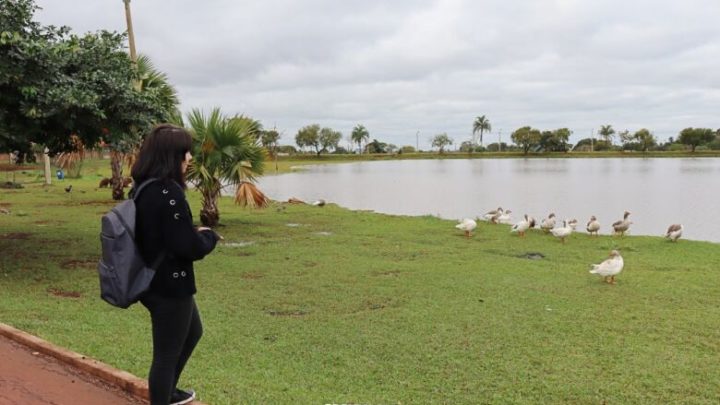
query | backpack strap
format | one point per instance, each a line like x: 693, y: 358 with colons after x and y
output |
x: 136, y: 191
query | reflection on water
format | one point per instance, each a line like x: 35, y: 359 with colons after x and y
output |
x: 658, y: 191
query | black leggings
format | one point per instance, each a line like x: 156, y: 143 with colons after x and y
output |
x: 176, y: 329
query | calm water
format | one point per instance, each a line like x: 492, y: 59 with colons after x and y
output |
x: 657, y: 192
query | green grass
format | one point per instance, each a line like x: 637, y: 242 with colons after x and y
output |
x: 358, y: 307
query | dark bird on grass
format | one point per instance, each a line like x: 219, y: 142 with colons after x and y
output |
x: 68, y: 188
x: 319, y: 203
x: 623, y: 225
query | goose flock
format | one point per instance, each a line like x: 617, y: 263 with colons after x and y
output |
x: 608, y: 269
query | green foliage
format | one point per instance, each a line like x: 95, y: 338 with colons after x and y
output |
x: 441, y: 141
x: 226, y: 152
x: 526, y: 138
x: 696, y: 136
x: 481, y: 124
x: 497, y: 147
x: 376, y: 147
x: 329, y: 139
x: 309, y: 136
x: 645, y: 139
x: 54, y: 83
x: 269, y: 140
x: 359, y: 135
x: 607, y: 133
x: 407, y: 149
x: 555, y: 141
x: 597, y: 145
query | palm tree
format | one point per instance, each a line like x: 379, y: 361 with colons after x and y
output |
x: 359, y: 135
x: 226, y: 153
x: 481, y: 125
x: 606, y: 132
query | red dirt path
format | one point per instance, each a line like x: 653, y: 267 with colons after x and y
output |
x: 31, y: 378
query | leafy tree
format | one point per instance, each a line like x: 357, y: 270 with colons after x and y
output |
x: 696, y: 136
x: 481, y: 124
x: 407, y: 149
x: 526, y: 138
x: 625, y: 136
x: 289, y: 149
x: 359, y: 135
x: 329, y: 139
x: 269, y: 140
x: 225, y: 153
x: 645, y: 139
x: 376, y: 147
x: 555, y: 141
x: 309, y: 136
x: 495, y: 147
x: 607, y: 133
x: 597, y: 145
x: 441, y: 141
x: 53, y: 84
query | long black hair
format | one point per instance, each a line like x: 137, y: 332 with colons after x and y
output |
x: 162, y: 154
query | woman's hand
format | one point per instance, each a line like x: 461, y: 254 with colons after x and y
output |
x: 205, y: 228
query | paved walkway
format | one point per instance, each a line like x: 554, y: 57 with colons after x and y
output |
x: 28, y: 377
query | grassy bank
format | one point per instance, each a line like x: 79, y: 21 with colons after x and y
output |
x: 325, y: 305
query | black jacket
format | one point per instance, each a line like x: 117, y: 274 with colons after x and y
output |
x: 164, y: 223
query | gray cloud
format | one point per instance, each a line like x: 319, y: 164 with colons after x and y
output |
x: 431, y: 66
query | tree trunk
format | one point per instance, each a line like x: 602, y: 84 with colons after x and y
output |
x: 209, y: 213
x: 116, y: 159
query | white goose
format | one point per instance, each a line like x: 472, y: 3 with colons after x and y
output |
x: 503, y: 218
x: 522, y: 226
x: 593, y: 226
x: 610, y: 267
x: 548, y: 223
x: 562, y: 232
x: 674, y: 232
x: 468, y: 225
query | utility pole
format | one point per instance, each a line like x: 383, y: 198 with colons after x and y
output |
x: 500, y: 140
x: 592, y: 140
x: 417, y: 141
x: 131, y: 34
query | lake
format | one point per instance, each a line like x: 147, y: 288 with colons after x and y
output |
x: 657, y: 191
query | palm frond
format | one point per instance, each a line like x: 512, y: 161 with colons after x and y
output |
x: 248, y: 195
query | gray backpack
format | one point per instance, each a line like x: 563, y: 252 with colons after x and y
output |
x: 124, y: 276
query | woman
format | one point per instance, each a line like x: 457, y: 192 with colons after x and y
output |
x: 166, y: 237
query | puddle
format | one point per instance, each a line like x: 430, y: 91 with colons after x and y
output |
x: 323, y: 233
x: 238, y: 244
x: 532, y: 256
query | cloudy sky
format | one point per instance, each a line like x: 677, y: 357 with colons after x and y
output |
x: 402, y: 66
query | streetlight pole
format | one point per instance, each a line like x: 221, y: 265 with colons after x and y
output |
x: 500, y: 140
x: 592, y: 140
x: 417, y: 141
